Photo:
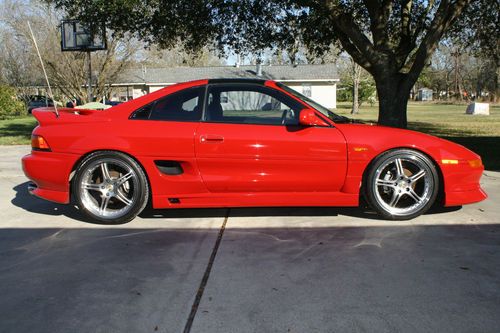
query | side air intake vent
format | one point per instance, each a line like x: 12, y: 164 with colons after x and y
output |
x: 171, y: 168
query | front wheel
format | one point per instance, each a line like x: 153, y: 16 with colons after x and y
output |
x: 110, y: 187
x: 401, y: 184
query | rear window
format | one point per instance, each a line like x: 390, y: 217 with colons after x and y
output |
x: 184, y: 105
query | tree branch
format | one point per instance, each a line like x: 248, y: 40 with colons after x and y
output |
x: 406, y: 40
x: 352, y: 38
x: 445, y: 15
x: 405, y: 17
x: 379, y: 16
x: 356, y: 54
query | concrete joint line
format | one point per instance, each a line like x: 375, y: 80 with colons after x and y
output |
x: 204, y: 280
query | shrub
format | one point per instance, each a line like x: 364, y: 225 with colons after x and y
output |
x: 10, y: 106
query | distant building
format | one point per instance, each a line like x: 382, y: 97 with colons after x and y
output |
x: 319, y: 82
x: 424, y: 94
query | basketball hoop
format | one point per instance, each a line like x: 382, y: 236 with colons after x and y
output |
x: 77, y: 37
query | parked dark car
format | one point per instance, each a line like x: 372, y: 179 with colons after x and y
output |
x: 39, y: 101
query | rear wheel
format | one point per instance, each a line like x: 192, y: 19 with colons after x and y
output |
x: 110, y: 187
x: 402, y: 184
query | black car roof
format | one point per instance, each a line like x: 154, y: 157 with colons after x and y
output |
x: 237, y: 80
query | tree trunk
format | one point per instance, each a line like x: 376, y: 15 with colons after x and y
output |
x: 356, y: 78
x: 355, y: 97
x: 496, y: 88
x: 393, y: 91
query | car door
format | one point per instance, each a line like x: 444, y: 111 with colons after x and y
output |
x: 162, y: 136
x: 250, y: 141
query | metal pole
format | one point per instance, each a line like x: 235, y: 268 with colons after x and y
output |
x: 44, y: 72
x: 89, y: 87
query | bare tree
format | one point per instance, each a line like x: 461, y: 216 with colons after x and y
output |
x: 356, y: 79
x: 67, y: 70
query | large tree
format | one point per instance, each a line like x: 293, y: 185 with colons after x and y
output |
x: 392, y: 40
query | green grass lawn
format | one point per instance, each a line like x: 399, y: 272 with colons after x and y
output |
x: 437, y: 119
x: 478, y: 133
x: 16, y: 131
x: 481, y: 134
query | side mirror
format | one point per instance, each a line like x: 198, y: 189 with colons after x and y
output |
x: 308, y: 117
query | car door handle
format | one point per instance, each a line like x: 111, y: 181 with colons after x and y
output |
x: 209, y: 138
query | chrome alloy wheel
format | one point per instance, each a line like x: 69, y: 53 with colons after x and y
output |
x: 403, y: 185
x: 108, y: 188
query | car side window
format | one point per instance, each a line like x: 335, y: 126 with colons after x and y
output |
x: 183, y: 105
x: 250, y: 104
x: 143, y: 112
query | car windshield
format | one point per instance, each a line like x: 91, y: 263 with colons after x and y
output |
x: 333, y: 116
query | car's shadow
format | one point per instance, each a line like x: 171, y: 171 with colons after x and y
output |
x: 34, y: 204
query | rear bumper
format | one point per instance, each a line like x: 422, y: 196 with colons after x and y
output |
x: 50, y: 174
x: 54, y: 196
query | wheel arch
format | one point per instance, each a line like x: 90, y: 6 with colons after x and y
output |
x: 77, y: 163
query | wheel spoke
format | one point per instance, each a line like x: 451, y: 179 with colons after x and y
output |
x: 395, y: 198
x: 121, y: 196
x: 93, y: 187
x: 417, y: 176
x: 124, y: 178
x: 383, y: 182
x: 105, y: 171
x: 412, y: 194
x: 104, y: 205
x: 399, y: 167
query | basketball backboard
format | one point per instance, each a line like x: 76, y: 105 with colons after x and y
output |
x: 75, y: 37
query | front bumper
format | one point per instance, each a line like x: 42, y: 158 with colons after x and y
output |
x: 50, y: 174
x: 461, y: 184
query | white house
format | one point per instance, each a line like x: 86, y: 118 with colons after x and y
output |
x: 319, y: 82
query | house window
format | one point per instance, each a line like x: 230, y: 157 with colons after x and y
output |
x: 306, y: 90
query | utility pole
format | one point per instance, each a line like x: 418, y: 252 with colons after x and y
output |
x: 89, y: 87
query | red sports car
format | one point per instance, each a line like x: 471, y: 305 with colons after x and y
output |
x: 234, y: 143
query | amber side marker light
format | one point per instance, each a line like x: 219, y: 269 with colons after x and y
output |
x: 475, y: 163
x: 38, y: 143
x: 472, y: 163
x: 449, y: 161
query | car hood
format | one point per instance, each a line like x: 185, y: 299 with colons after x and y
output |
x: 374, y: 139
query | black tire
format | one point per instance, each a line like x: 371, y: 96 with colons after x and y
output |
x: 401, y: 190
x: 87, y: 199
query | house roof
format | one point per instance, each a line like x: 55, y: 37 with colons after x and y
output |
x: 167, y: 75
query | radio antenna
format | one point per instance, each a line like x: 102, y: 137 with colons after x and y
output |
x: 44, y: 71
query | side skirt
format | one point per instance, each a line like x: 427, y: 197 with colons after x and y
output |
x: 275, y: 199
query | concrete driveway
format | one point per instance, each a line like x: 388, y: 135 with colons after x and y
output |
x: 246, y: 270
